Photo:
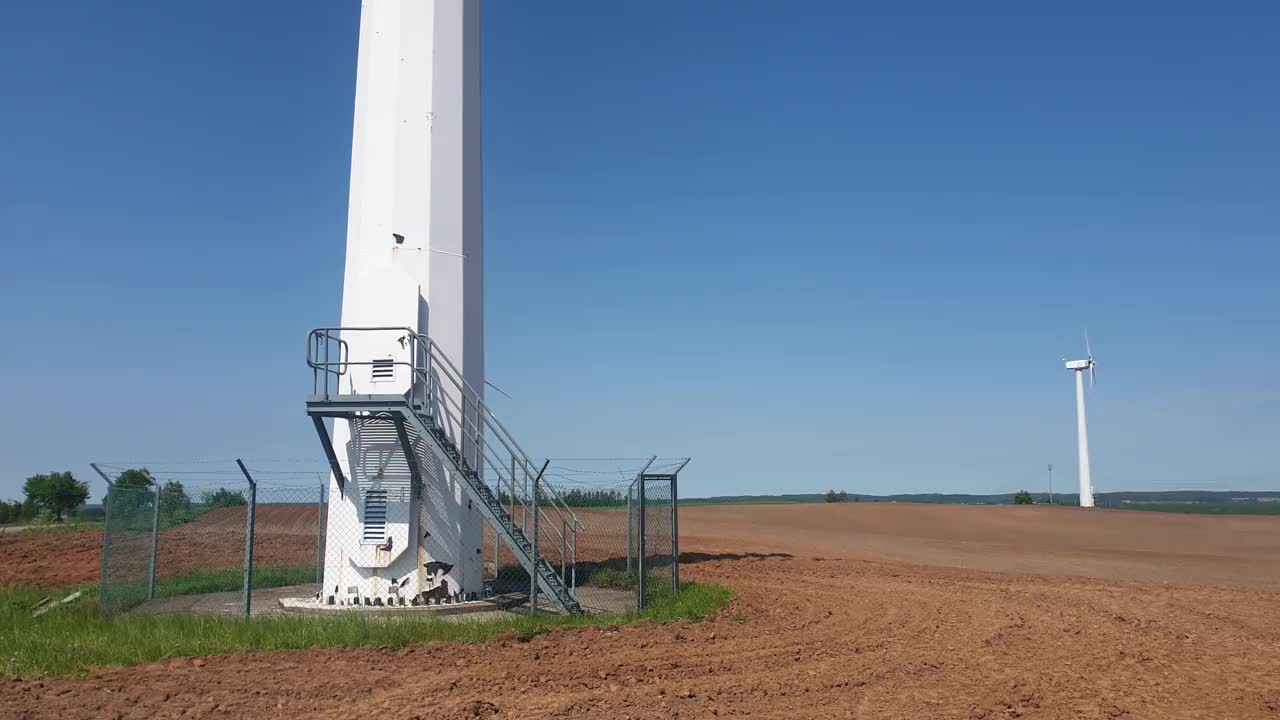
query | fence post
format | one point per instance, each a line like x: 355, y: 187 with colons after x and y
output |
x: 533, y: 574
x: 106, y: 548
x: 637, y: 545
x: 640, y: 509
x: 320, y: 538
x: 675, y: 535
x: 675, y: 525
x: 248, y: 540
x: 155, y: 544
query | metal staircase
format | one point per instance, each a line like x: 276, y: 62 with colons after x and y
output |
x: 442, y: 418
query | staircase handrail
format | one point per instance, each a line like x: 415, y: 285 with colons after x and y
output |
x: 319, y: 343
x: 514, y: 447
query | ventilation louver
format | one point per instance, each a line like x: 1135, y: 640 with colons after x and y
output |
x: 384, y: 370
x: 375, y: 517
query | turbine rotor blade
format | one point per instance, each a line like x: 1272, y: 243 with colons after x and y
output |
x: 1087, y: 350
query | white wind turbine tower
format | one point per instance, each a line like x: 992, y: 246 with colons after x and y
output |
x: 1082, y: 428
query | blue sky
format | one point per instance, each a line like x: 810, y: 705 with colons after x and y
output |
x: 811, y: 244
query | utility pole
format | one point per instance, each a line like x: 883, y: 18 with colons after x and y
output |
x: 1050, y: 483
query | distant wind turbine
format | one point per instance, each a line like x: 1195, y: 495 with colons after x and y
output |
x: 1082, y: 427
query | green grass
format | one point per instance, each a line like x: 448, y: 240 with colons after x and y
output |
x: 59, y: 527
x: 72, y: 639
x: 604, y: 575
x: 607, y: 577
x: 124, y: 595
x: 208, y: 581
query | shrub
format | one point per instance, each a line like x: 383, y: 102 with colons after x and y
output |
x: 223, y: 497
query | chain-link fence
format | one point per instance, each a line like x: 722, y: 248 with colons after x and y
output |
x: 231, y: 541
x: 288, y: 541
x: 176, y: 539
x: 625, y: 545
x: 128, y: 549
x: 656, y: 547
x: 591, y: 542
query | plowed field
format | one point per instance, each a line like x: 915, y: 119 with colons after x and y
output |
x: 848, y: 611
x: 285, y: 535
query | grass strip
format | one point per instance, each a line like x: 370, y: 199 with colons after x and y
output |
x: 71, y: 640
x: 125, y: 594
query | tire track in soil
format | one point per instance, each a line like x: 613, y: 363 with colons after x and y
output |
x: 839, y: 638
x: 830, y: 638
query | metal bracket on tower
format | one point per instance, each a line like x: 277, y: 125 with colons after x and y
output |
x: 327, y: 442
x: 410, y: 457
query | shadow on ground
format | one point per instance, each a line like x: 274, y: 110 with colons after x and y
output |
x: 697, y: 557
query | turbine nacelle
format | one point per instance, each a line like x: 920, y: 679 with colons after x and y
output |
x: 1087, y: 364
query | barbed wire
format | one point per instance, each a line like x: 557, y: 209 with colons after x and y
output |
x: 579, y: 472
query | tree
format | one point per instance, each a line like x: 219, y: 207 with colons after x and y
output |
x: 831, y: 497
x: 578, y: 497
x: 223, y: 497
x: 135, y: 477
x: 842, y: 496
x: 56, y: 493
x: 174, y: 498
x: 1022, y: 497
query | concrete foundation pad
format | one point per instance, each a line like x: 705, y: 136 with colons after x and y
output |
x: 313, y: 606
x: 597, y: 600
x: 300, y: 599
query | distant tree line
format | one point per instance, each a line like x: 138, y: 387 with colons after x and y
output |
x: 16, y: 511
x: 833, y: 496
x: 577, y: 498
x: 173, y: 495
x: 594, y: 498
x: 56, y: 496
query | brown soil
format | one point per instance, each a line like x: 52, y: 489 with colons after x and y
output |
x: 284, y: 535
x: 866, y: 611
x: 51, y: 560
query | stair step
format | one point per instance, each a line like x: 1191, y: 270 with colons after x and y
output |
x: 547, y: 575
